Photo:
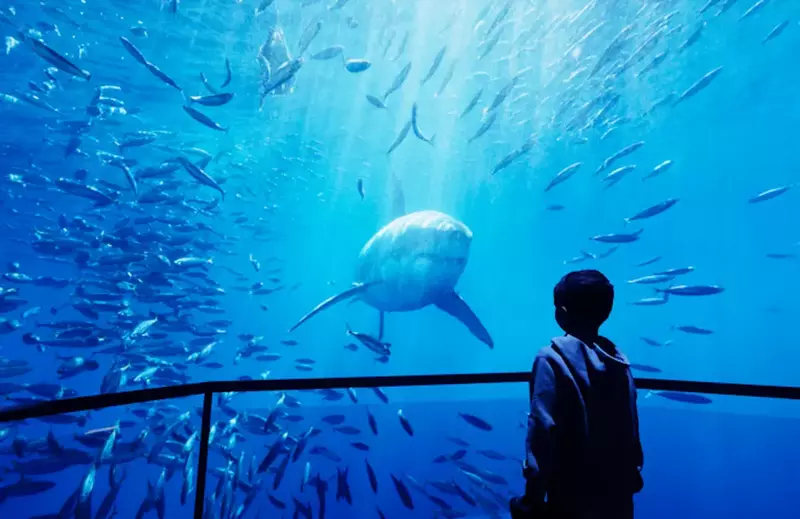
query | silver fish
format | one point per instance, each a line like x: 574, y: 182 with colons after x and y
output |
x: 400, y: 137
x: 415, y: 127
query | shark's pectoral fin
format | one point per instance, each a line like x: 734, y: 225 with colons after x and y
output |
x: 347, y: 294
x: 457, y: 307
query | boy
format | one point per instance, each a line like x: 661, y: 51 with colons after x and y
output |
x: 583, y: 455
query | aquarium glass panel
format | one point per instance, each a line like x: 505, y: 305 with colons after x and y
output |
x: 408, y: 452
x: 458, y: 450
x: 213, y: 189
x: 123, y: 462
x: 711, y: 454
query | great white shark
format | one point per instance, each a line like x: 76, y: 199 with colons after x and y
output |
x: 414, y: 261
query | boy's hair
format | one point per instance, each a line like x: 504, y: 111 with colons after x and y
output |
x: 587, y: 295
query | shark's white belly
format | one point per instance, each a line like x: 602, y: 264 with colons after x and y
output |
x: 413, y: 260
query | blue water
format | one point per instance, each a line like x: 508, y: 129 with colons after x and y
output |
x: 290, y: 168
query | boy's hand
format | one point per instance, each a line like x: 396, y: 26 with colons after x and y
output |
x: 519, y: 510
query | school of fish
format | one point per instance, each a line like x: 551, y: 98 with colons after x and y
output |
x: 136, y: 220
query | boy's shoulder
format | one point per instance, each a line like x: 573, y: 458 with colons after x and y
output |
x: 550, y: 355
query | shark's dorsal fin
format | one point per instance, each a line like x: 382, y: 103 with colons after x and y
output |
x: 398, y: 198
x: 347, y: 294
x: 455, y: 306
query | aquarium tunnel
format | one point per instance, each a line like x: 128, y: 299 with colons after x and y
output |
x: 295, y: 258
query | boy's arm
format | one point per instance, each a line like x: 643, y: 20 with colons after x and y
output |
x: 541, y: 428
x: 638, y: 451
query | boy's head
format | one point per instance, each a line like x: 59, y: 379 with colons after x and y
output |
x: 583, y: 301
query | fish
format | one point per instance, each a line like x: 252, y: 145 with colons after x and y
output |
x: 208, y: 85
x: 360, y: 188
x: 373, y: 424
x: 400, y: 289
x: 769, y: 194
x: 775, y: 31
x: 473, y: 102
x: 502, y: 94
x: 563, y: 175
x: 25, y: 487
x: 654, y: 63
x: 199, y: 175
x: 645, y: 368
x: 342, y: 486
x: 335, y: 419
x: 487, y: 46
x: 660, y: 168
x: 301, y: 443
x: 212, y: 100
x: 400, y: 137
x: 273, y: 453
x: 689, y: 398
x: 691, y: 290
x: 115, y: 485
x: 203, y: 119
x: 157, y: 72
x: 507, y: 160
x: 476, y: 422
x: 398, y: 81
x: 405, y: 423
x: 694, y: 330
x: 281, y: 76
x: 83, y: 506
x: 699, y: 85
x: 694, y: 37
x: 653, y: 210
x: 133, y: 50
x: 41, y: 49
x: 348, y: 430
x: 280, y: 472
x: 624, y: 152
x: 381, y: 395
x: 228, y: 74
x: 373, y: 480
x: 370, y: 342
x: 492, y: 454
x: 619, y: 237
x: 616, y: 175
x: 374, y: 101
x: 328, y: 53
x: 753, y: 9
x: 437, y: 61
x: 652, y: 279
x: 484, y: 127
x: 415, y: 127
x: 402, y: 48
x: 446, y: 79
x: 356, y: 65
x: 309, y: 33
x: 653, y: 342
x: 679, y: 271
x: 402, y: 492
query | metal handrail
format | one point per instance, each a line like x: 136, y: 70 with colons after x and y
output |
x: 207, y: 389
x: 91, y: 402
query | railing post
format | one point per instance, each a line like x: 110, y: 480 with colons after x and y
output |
x: 202, y: 459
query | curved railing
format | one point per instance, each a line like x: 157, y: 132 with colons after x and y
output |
x: 207, y: 389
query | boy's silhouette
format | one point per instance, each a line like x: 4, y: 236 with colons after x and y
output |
x: 583, y: 451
